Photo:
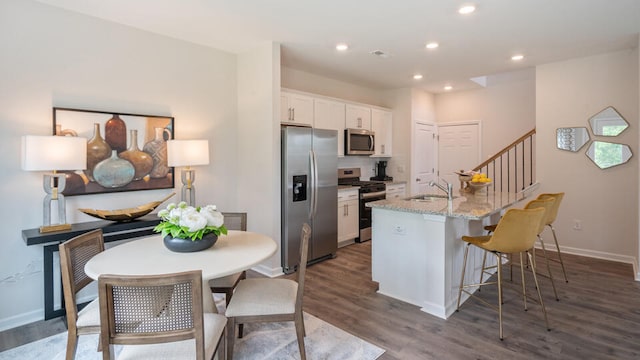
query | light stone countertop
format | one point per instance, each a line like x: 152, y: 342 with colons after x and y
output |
x: 464, y: 205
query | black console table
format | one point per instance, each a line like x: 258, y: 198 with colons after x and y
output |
x: 112, y: 231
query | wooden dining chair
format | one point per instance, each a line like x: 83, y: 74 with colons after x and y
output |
x: 270, y: 300
x: 226, y: 285
x: 158, y: 317
x: 74, y: 254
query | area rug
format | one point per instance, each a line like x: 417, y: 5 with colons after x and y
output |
x: 273, y: 341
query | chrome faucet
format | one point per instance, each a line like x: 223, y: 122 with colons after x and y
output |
x: 448, y: 189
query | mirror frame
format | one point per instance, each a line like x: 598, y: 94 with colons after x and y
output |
x: 566, y: 139
x: 623, y: 147
x: 607, y: 115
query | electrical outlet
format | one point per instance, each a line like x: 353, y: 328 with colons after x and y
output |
x: 399, y: 230
x: 577, y: 224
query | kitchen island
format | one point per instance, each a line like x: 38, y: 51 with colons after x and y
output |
x: 417, y: 251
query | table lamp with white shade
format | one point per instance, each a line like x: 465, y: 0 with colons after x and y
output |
x: 53, y: 153
x: 188, y: 153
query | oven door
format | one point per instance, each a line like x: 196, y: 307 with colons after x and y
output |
x: 365, y: 213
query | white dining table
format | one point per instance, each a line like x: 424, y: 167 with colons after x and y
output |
x: 237, y: 251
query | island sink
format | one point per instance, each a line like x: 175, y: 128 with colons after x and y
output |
x: 429, y: 197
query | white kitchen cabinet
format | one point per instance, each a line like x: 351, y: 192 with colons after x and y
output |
x: 396, y: 191
x: 348, y: 218
x: 330, y: 115
x: 383, y: 128
x: 296, y: 109
x: 358, y: 117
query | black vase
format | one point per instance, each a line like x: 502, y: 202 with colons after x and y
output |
x: 188, y: 245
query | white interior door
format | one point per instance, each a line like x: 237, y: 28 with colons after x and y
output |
x: 424, y: 157
x: 458, y: 149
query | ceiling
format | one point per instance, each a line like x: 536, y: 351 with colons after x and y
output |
x: 474, y: 45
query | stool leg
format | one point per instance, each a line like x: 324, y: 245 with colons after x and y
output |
x: 535, y: 279
x: 500, y: 294
x: 524, y: 287
x: 484, y: 262
x: 544, y: 251
x: 559, y: 253
x: 464, y: 268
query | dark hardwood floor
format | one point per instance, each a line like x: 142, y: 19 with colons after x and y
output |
x: 597, y: 317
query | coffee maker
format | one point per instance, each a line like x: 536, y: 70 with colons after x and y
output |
x: 381, y: 172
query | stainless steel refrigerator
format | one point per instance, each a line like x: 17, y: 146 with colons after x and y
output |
x: 309, y: 193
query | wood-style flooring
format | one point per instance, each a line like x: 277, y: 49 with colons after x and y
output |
x: 597, y: 317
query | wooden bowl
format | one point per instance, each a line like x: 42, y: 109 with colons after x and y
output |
x: 125, y: 215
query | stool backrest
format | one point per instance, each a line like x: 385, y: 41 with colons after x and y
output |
x: 547, y: 204
x: 517, y: 231
x: 551, y: 217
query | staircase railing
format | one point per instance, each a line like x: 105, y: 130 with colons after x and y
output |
x: 512, y: 168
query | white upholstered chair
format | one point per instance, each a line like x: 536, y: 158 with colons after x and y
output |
x: 158, y: 317
x: 74, y: 254
x: 270, y: 300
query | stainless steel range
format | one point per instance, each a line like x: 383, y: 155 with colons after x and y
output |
x: 369, y: 191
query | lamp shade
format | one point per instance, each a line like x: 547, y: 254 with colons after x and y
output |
x: 47, y: 153
x: 187, y: 152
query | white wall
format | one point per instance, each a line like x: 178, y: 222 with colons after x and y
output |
x: 316, y: 84
x: 51, y: 57
x: 259, y: 144
x: 506, y: 108
x: 606, y: 201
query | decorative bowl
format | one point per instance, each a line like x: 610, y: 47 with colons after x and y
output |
x: 478, y: 186
x: 125, y: 215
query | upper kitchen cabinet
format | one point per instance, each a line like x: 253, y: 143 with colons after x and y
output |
x: 358, y: 117
x: 383, y: 128
x: 296, y: 109
x: 330, y: 115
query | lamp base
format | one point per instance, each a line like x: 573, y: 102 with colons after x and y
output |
x: 56, y: 227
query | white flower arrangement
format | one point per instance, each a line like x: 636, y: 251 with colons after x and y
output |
x: 183, y: 221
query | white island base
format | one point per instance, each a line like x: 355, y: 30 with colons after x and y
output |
x: 417, y: 257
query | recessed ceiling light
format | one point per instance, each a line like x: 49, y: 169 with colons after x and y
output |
x: 517, y: 57
x: 466, y: 9
x: 448, y: 87
x: 432, y: 45
x: 417, y: 76
x: 342, y: 47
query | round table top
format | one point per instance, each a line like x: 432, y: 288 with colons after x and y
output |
x: 232, y: 253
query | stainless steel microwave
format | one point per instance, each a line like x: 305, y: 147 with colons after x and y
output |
x: 359, y: 142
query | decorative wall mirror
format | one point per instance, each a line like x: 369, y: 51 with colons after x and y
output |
x: 572, y: 139
x: 606, y: 154
x: 608, y: 122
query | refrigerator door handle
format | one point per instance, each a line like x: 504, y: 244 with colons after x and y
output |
x: 314, y: 184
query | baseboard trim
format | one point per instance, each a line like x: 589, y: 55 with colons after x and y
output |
x: 597, y: 255
x: 267, y: 271
x: 21, y: 319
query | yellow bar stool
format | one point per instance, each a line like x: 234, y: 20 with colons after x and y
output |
x: 547, y: 204
x: 550, y: 219
x: 515, y: 234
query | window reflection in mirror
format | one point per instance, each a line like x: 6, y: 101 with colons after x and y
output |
x: 572, y: 139
x: 608, y: 122
x: 606, y: 154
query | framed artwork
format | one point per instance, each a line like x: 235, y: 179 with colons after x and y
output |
x: 125, y: 152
